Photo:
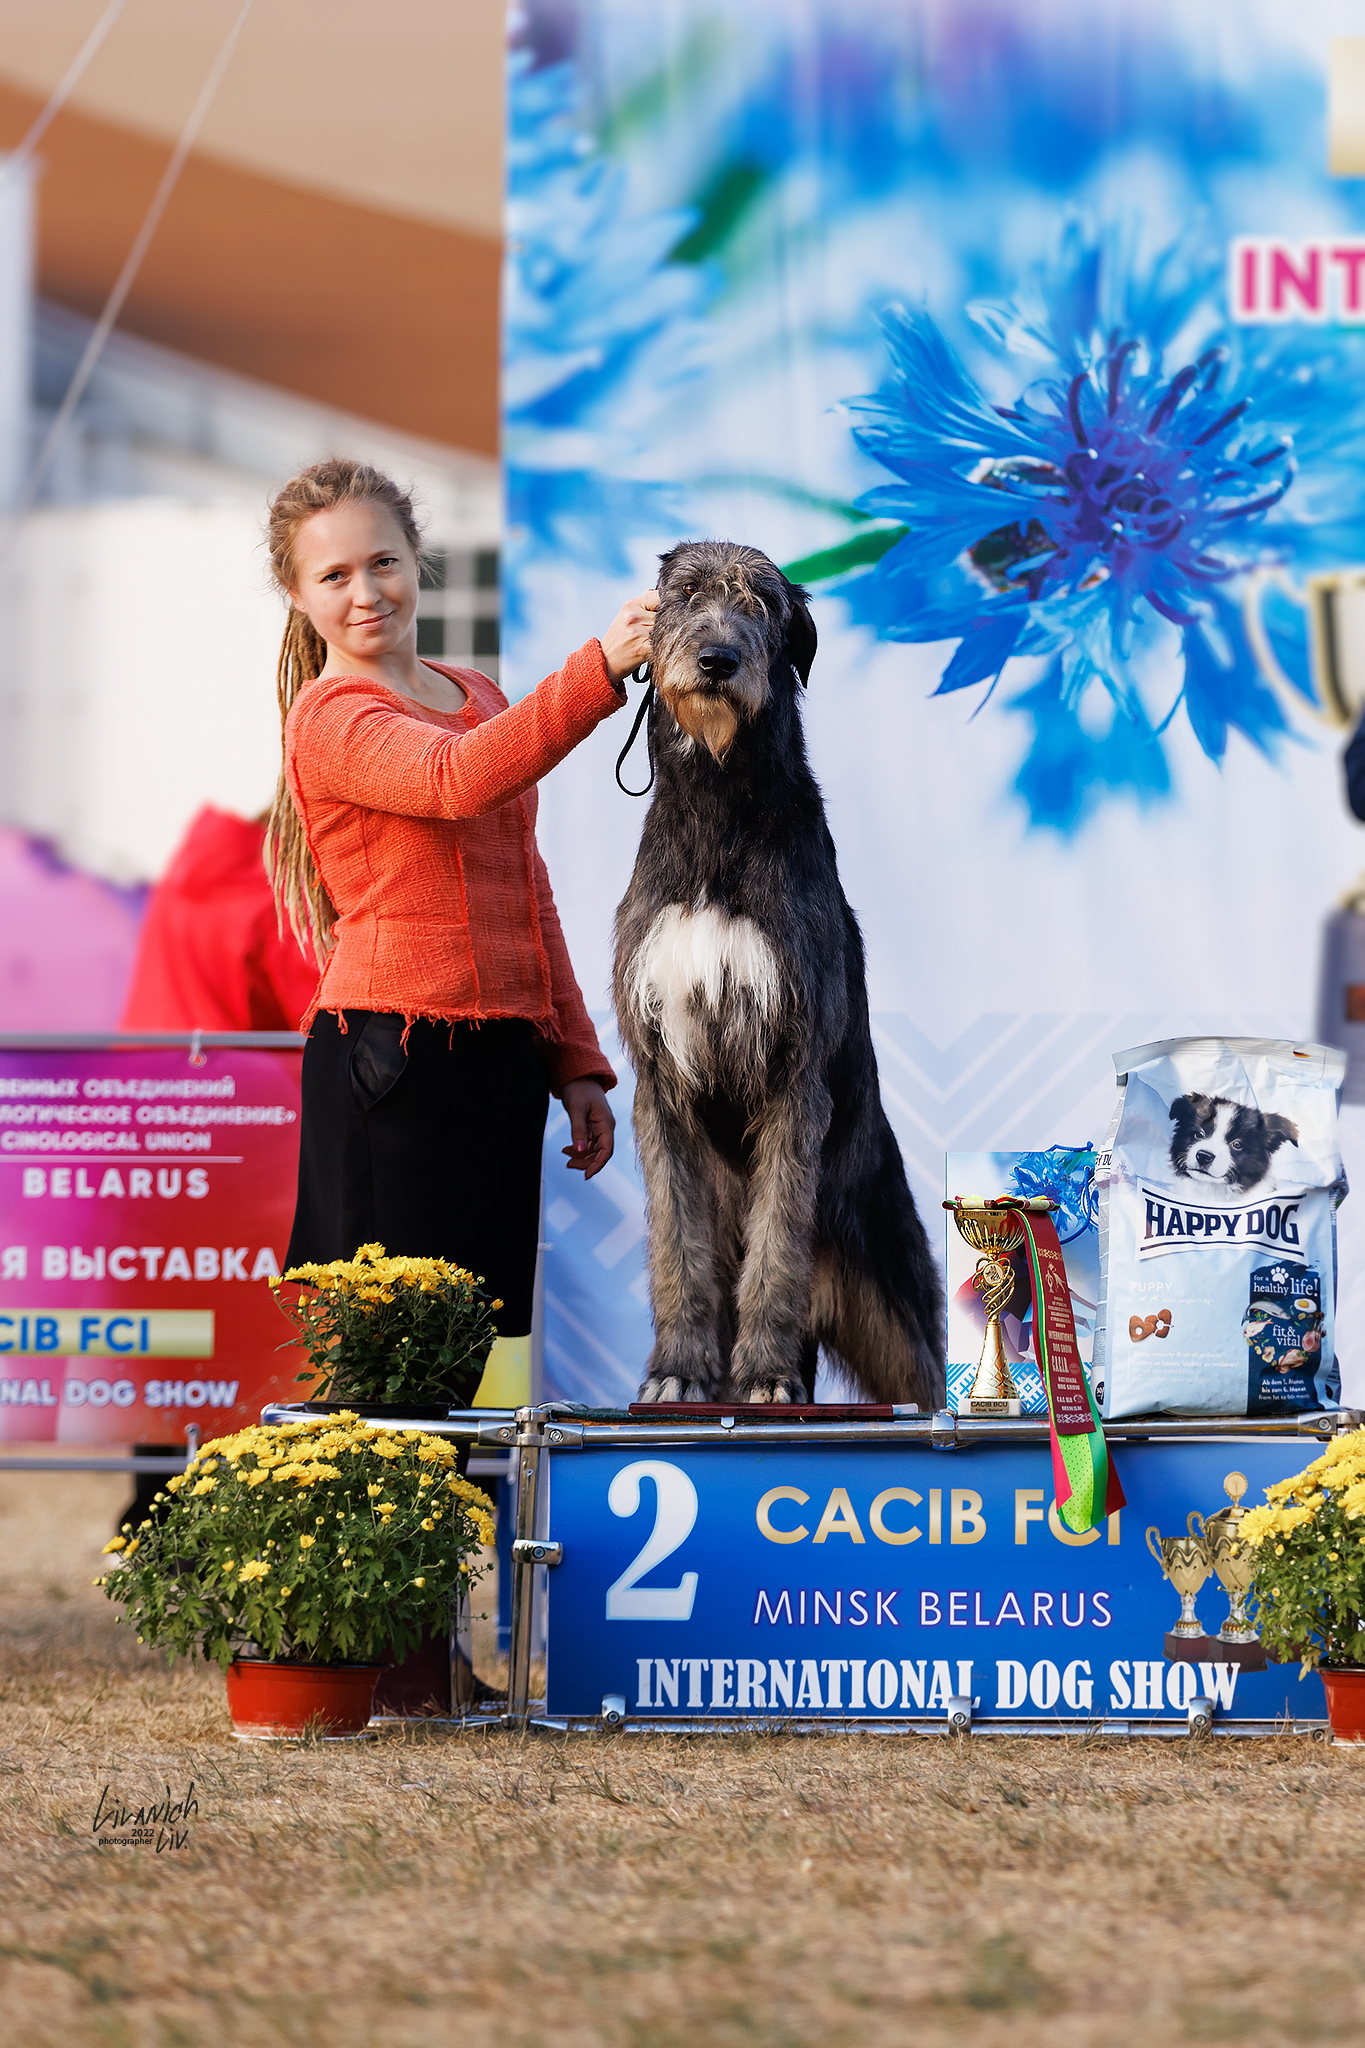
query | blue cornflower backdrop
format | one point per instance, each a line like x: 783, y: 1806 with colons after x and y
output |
x: 934, y: 301
x: 1112, y: 519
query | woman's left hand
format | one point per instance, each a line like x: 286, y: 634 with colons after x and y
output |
x: 593, y: 1126
x: 626, y: 642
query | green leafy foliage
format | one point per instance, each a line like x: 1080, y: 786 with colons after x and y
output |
x: 391, y: 1329
x: 327, y: 1540
x: 1309, y: 1588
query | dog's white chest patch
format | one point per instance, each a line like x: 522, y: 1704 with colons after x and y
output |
x: 699, y: 961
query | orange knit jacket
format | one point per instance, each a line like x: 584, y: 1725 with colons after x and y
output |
x: 422, y: 824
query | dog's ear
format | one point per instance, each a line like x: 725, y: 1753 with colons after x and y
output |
x: 1189, y: 1110
x: 800, y: 643
x: 1279, y: 1131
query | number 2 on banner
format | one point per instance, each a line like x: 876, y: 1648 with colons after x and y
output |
x: 674, y: 1516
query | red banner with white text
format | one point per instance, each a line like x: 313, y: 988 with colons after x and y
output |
x: 146, y: 1197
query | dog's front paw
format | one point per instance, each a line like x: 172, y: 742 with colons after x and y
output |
x: 672, y: 1390
x: 779, y: 1392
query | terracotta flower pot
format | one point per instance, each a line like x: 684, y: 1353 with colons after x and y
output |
x: 1345, y: 1691
x: 266, y: 1698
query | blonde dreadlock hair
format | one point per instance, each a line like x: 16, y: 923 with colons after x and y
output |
x: 299, y: 892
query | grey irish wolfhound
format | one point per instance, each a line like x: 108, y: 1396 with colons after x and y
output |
x: 779, y: 1215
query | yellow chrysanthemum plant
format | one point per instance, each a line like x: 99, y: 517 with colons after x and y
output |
x: 328, y: 1540
x: 1309, y: 1538
x: 394, y: 1330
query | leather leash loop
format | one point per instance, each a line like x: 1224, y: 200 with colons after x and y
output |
x: 639, y: 675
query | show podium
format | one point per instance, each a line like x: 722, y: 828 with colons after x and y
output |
x: 706, y: 1569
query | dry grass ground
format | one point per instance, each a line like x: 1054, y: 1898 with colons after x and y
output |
x: 640, y: 1892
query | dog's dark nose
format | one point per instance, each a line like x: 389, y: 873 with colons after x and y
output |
x: 718, y: 663
x: 1203, y: 1160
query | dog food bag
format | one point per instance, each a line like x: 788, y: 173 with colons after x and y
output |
x: 1219, y: 1181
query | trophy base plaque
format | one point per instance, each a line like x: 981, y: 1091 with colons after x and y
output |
x: 976, y: 1404
x: 1249, y: 1655
x: 1213, y: 1650
x: 1192, y: 1650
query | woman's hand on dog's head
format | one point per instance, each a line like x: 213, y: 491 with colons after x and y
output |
x: 626, y: 642
x: 592, y: 1126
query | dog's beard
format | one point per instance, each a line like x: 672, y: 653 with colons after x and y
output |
x: 712, y: 717
x: 710, y: 720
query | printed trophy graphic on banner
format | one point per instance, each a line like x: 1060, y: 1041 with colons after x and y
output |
x: 1212, y: 1547
x: 1185, y: 1562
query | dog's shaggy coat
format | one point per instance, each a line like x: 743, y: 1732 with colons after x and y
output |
x: 779, y: 1215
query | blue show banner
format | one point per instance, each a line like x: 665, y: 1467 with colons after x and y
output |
x: 826, y: 1582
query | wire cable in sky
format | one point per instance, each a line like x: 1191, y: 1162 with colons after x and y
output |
x: 123, y: 284
x: 61, y: 93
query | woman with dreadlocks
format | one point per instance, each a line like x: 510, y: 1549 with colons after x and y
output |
x: 402, y: 851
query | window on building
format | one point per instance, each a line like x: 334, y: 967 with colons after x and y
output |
x: 458, y: 607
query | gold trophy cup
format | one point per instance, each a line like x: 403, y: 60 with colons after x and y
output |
x: 994, y: 1233
x: 1235, y: 1563
x: 1186, y: 1563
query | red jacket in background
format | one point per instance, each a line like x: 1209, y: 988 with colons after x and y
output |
x: 211, y: 957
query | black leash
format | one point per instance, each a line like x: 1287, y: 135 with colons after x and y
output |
x: 639, y: 675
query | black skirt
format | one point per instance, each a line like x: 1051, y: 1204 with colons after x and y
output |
x: 432, y: 1150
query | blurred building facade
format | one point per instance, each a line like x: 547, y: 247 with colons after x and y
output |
x: 324, y: 281
x: 138, y: 680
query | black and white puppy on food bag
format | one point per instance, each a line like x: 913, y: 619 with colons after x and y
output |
x: 1219, y: 1183
x: 779, y: 1215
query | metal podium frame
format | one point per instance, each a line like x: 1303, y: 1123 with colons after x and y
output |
x: 535, y: 1434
